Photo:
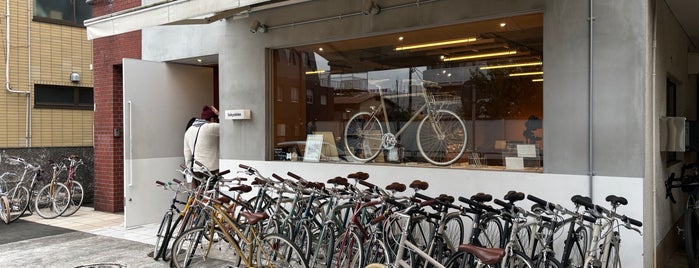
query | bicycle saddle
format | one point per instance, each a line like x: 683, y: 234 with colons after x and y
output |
x: 513, y: 196
x: 358, y: 176
x: 259, y: 181
x: 241, y: 188
x: 396, y: 186
x: 446, y: 198
x: 482, y: 197
x: 488, y: 256
x: 617, y: 200
x: 419, y: 185
x: 583, y: 201
x: 338, y: 181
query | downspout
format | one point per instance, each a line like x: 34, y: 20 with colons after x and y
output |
x: 8, y: 87
x: 591, y: 149
x: 654, y: 127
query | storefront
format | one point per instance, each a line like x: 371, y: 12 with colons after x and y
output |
x: 470, y: 96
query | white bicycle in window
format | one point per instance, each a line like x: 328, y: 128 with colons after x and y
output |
x: 441, y: 134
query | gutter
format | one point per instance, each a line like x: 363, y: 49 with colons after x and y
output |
x: 8, y: 85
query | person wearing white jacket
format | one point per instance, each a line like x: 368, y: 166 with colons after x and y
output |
x: 201, y: 141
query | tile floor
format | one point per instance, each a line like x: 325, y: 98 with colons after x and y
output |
x: 100, y: 223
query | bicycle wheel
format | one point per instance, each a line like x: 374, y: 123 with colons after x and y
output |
x: 491, y: 228
x: 363, y: 136
x: 460, y: 260
x: 301, y: 236
x: 454, y: 230
x: 199, y: 248
x: 377, y: 252
x: 577, y: 252
x: 691, y: 227
x: 76, y: 198
x: 441, y: 138
x: 323, y: 247
x: 163, y: 230
x: 348, y: 251
x: 516, y: 259
x: 4, y: 209
x: 19, y: 202
x: 52, y: 200
x: 177, y: 225
x: 278, y: 251
x: 612, y: 260
x: 548, y: 262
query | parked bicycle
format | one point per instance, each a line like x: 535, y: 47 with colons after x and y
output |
x: 53, y: 199
x: 688, y: 181
x: 77, y: 192
x: 21, y: 194
x: 441, y: 134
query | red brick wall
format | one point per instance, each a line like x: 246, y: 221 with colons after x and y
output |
x: 109, y: 150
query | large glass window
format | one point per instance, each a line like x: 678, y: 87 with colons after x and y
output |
x: 467, y: 95
x: 70, y: 12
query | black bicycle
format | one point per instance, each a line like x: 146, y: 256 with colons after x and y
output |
x: 688, y: 181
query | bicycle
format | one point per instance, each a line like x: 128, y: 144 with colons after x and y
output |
x: 689, y: 183
x: 441, y: 134
x: 4, y: 201
x: 74, y: 186
x: 53, y: 199
x: 20, y: 197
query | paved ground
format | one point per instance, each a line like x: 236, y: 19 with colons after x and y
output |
x: 85, y: 239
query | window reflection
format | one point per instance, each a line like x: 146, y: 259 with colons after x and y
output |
x: 434, y: 97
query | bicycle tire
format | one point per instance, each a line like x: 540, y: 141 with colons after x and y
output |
x: 4, y: 209
x: 460, y: 260
x: 577, y: 254
x: 517, y: 259
x: 363, y: 137
x: 348, y: 251
x: 549, y: 262
x: 52, y: 200
x: 190, y: 249
x: 163, y: 230
x: 19, y: 202
x: 77, y: 195
x: 690, y: 237
x: 445, y: 146
x: 324, y: 247
x: 612, y: 260
x: 454, y: 229
x: 177, y: 225
x: 278, y: 251
x: 491, y: 231
x: 376, y: 252
x: 301, y: 237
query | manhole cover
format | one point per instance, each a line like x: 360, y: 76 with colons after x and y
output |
x: 102, y: 265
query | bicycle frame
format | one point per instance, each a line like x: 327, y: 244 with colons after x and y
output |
x: 382, y: 108
x: 594, y: 257
x: 404, y: 243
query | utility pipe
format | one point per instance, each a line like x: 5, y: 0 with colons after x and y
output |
x: 590, y: 90
x: 8, y: 86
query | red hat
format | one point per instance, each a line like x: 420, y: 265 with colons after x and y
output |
x: 207, y: 113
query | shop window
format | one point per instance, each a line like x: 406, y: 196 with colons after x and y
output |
x: 63, y: 97
x: 67, y: 12
x: 464, y: 96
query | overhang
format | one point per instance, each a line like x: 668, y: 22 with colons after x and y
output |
x: 166, y: 12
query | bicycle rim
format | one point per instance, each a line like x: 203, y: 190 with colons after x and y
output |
x: 19, y: 202
x: 377, y: 253
x: 198, y: 248
x: 491, y: 228
x: 52, y: 200
x: 163, y: 229
x: 363, y: 137
x: 348, y: 251
x: 278, y: 251
x: 76, y: 198
x: 442, y: 138
x: 460, y: 260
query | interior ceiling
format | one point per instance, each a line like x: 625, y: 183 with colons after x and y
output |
x: 522, y: 33
x: 686, y: 13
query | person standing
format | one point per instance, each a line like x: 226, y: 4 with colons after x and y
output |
x: 201, y: 141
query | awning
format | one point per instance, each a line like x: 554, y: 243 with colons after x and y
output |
x: 163, y: 13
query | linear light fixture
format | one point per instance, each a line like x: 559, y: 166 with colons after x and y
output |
x: 511, y: 65
x: 524, y: 74
x: 538, y: 80
x: 436, y: 44
x: 315, y: 72
x: 478, y: 56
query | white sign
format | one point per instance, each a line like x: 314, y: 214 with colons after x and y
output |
x: 514, y: 163
x: 314, y: 143
x: 526, y: 150
x: 237, y: 114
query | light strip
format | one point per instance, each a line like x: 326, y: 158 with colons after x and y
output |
x: 511, y: 65
x: 529, y: 73
x: 504, y: 53
x: 538, y: 80
x: 315, y: 72
x: 434, y: 44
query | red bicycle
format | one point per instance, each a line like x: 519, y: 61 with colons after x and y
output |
x: 75, y: 188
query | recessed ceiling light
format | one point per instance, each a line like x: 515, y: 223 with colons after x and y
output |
x: 199, y: 60
x: 400, y: 38
x: 320, y: 49
x: 503, y: 24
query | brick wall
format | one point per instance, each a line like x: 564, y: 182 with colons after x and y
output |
x: 109, y: 150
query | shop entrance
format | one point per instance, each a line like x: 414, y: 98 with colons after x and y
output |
x: 159, y: 99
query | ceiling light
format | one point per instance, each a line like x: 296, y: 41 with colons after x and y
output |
x: 199, y: 60
x: 400, y: 38
x: 315, y: 72
x: 538, y: 80
x: 511, y: 65
x: 320, y: 49
x: 478, y: 56
x: 529, y: 73
x: 503, y: 24
x: 440, y: 43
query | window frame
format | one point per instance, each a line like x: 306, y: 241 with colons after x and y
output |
x: 72, y: 23
x: 75, y: 105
